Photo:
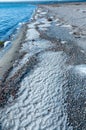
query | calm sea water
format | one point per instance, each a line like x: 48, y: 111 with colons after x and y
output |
x: 11, y: 15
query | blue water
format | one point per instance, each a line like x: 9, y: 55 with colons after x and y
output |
x: 11, y: 14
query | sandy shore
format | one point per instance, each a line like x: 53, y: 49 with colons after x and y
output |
x: 44, y: 72
x: 7, y: 60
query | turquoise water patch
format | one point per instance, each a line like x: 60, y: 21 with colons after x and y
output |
x: 11, y: 17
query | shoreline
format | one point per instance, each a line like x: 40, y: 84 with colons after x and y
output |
x: 9, y: 57
x: 51, y: 65
x: 19, y: 38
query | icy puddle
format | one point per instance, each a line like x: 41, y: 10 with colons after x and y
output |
x: 40, y: 102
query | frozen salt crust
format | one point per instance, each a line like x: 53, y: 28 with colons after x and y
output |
x: 67, y: 26
x: 39, y: 105
x: 63, y: 42
x: 81, y: 69
x: 82, y: 10
x: 32, y: 34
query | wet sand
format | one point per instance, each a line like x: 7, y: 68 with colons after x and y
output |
x: 9, y: 57
x: 45, y: 88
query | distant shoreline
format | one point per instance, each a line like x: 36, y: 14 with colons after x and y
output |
x: 45, y: 2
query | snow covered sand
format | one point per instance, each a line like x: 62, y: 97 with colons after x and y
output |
x: 47, y: 82
x: 40, y: 102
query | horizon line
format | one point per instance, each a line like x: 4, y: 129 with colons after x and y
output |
x: 39, y: 1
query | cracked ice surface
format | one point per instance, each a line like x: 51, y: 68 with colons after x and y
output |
x: 39, y: 105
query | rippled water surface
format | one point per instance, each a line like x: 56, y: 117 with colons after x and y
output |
x: 11, y: 15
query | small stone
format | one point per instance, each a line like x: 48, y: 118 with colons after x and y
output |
x: 50, y: 19
x: 33, y: 40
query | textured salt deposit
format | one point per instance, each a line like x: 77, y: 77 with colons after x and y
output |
x: 63, y: 42
x: 40, y: 98
x: 81, y: 69
x: 44, y: 25
x: 32, y: 34
x: 40, y: 103
x: 67, y: 26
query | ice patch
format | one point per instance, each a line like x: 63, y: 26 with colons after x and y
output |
x: 81, y: 69
x: 36, y: 46
x: 67, y: 26
x: 7, y: 43
x: 58, y: 24
x: 56, y: 20
x: 33, y: 25
x: 43, y: 13
x: 38, y: 11
x: 32, y: 48
x: 43, y: 29
x: 82, y: 51
x: 32, y: 34
x: 63, y: 42
x: 36, y: 16
x: 43, y: 20
x: 71, y: 32
x: 83, y: 10
x: 40, y: 98
x: 44, y: 25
